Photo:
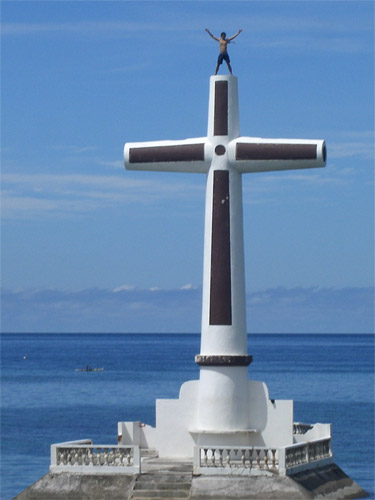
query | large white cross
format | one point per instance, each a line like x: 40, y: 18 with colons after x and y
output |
x: 224, y: 156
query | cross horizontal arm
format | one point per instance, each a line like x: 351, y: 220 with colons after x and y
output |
x: 189, y: 155
x: 254, y: 154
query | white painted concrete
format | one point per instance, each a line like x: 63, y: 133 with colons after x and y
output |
x: 223, y: 407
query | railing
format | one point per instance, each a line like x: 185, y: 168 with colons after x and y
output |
x: 235, y: 460
x: 85, y: 457
x: 260, y: 460
x: 300, y: 456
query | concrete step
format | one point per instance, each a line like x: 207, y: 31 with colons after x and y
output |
x: 162, y: 486
x: 166, y: 494
x: 158, y: 485
x: 159, y: 498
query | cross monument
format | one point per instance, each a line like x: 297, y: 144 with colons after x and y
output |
x: 223, y: 402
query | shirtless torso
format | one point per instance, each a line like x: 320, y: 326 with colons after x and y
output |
x: 223, y: 43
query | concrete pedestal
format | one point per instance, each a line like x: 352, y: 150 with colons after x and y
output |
x: 174, y: 479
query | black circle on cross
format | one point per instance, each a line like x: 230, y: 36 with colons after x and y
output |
x: 220, y: 150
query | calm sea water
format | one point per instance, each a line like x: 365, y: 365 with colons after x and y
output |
x: 44, y: 401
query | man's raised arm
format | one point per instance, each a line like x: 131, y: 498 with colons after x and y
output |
x: 212, y: 36
x: 234, y: 36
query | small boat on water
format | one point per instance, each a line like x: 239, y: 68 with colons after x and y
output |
x: 88, y: 369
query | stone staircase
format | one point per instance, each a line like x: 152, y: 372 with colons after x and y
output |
x: 162, y: 484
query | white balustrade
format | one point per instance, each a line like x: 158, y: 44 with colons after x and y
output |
x: 235, y: 460
x: 259, y: 460
x: 85, y: 457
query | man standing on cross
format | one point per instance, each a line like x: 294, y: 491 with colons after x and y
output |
x: 223, y: 43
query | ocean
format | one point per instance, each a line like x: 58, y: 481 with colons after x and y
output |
x: 44, y: 400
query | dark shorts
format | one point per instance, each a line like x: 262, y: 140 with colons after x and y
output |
x: 223, y: 56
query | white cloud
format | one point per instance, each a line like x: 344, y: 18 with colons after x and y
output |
x: 276, y: 310
x: 188, y: 286
x: 27, y: 195
x: 352, y: 149
x: 83, y: 27
x: 280, y: 30
x: 343, y: 44
x: 123, y: 288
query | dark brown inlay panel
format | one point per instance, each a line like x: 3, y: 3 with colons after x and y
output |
x: 183, y: 152
x: 221, y: 108
x: 261, y: 151
x: 220, y: 287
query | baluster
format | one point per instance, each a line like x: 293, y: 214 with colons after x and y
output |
x: 213, y: 457
x: 205, y: 460
x: 251, y: 458
x: 287, y: 458
x: 273, y: 459
x: 326, y: 451
x: 228, y: 459
x: 265, y: 457
x: 258, y: 458
x: 221, y: 458
x: 243, y: 458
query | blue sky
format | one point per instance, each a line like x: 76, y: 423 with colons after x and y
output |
x: 79, y: 79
